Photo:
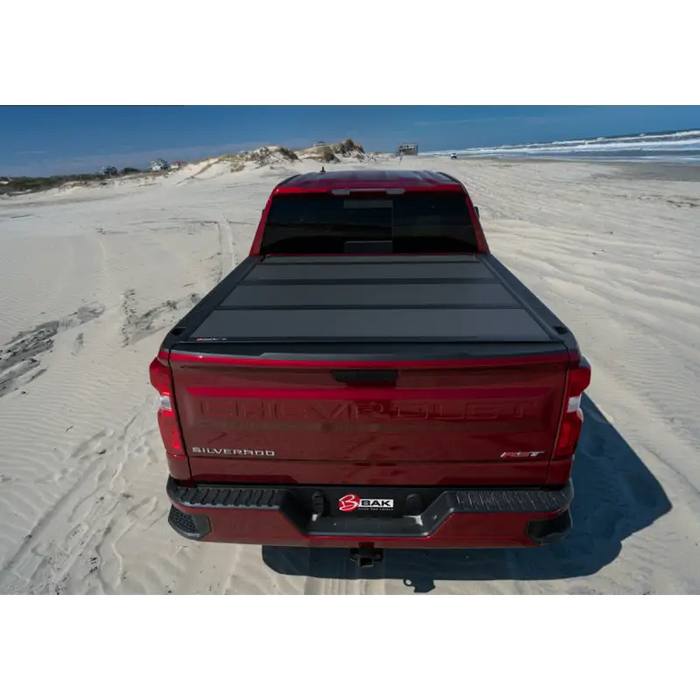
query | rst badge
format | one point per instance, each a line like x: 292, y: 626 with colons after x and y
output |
x: 520, y: 455
x: 352, y: 502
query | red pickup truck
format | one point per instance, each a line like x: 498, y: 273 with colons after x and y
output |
x: 371, y: 376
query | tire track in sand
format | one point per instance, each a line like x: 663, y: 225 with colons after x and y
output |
x: 66, y: 547
x: 227, y: 252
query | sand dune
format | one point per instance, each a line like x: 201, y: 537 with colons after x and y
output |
x: 90, y: 277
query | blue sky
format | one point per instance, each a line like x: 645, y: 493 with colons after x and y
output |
x: 49, y: 140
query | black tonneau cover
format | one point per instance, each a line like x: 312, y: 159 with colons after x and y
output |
x: 338, y: 302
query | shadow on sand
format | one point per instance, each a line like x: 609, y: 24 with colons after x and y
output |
x: 616, y: 496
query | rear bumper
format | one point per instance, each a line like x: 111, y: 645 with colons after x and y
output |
x: 446, y: 518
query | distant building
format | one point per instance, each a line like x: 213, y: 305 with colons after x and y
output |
x: 177, y: 164
x: 109, y: 170
x: 158, y: 165
x: 407, y: 149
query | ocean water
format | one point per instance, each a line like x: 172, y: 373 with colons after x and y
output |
x: 670, y: 147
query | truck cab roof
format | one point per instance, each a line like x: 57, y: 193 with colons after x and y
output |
x: 408, y: 180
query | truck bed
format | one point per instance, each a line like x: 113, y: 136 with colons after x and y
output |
x: 458, y: 305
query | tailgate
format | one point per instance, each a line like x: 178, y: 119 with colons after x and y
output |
x: 468, y: 422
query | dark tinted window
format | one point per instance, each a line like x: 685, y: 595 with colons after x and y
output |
x: 410, y: 222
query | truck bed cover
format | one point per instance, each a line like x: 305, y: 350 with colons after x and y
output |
x: 397, y: 299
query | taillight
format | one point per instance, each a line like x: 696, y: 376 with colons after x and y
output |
x: 162, y: 380
x: 572, y: 420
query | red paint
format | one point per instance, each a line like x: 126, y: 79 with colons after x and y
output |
x: 369, y: 179
x: 334, y: 473
x: 449, y: 419
x: 178, y: 466
x: 560, y: 471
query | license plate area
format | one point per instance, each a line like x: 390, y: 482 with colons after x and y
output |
x: 365, y: 501
x: 352, y: 504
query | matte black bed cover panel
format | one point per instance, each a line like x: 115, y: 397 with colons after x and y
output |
x: 395, y: 298
x: 399, y: 271
x: 371, y: 296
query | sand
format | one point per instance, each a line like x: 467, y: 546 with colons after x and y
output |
x: 91, y: 277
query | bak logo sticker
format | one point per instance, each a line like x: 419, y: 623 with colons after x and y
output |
x: 352, y: 502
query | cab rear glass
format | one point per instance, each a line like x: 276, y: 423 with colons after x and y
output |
x: 417, y: 222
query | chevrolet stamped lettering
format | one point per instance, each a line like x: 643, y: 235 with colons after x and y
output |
x: 214, y: 409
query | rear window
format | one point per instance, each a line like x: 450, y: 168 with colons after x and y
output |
x: 404, y: 223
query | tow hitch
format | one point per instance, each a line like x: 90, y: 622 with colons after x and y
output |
x: 366, y: 556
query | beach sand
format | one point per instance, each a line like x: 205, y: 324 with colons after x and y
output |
x: 92, y: 277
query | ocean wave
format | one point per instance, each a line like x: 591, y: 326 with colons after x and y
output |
x: 670, y: 142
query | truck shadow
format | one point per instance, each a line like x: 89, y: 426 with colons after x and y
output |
x: 616, y: 496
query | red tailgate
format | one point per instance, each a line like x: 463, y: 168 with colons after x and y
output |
x: 462, y: 423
